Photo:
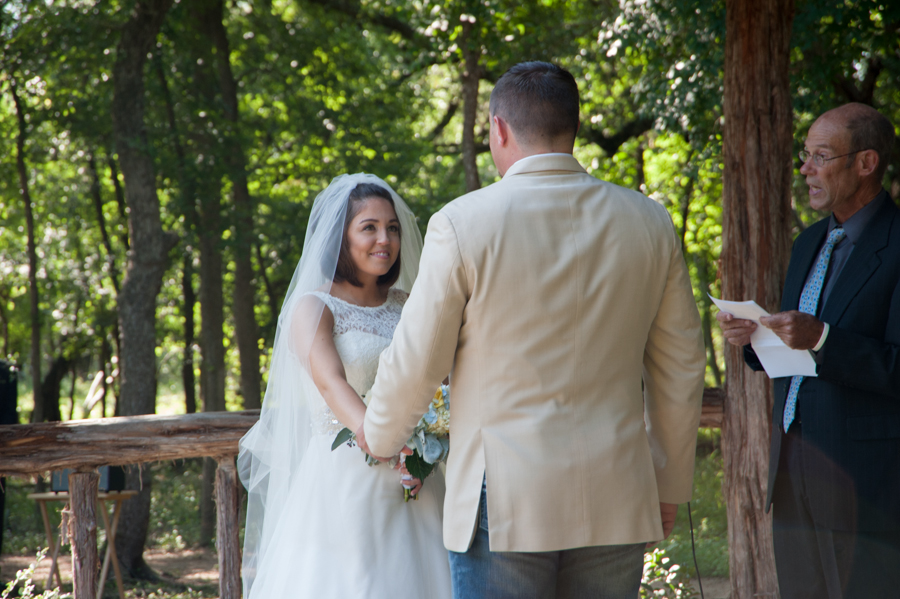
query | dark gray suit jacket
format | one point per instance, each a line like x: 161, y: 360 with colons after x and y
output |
x: 851, y: 411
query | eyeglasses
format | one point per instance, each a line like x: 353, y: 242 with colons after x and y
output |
x: 820, y: 160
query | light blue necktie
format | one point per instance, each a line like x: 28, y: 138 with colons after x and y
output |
x: 809, y: 301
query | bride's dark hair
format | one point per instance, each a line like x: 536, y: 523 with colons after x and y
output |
x: 345, y: 269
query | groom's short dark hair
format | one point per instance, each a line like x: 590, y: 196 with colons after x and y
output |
x: 539, y: 100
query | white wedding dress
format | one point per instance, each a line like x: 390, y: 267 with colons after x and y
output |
x: 349, y: 533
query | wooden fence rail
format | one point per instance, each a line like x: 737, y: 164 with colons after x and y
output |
x: 84, y: 445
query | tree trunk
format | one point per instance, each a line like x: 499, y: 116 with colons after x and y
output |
x: 470, y: 77
x: 51, y: 388
x: 212, y: 346
x: 712, y: 361
x: 38, y: 414
x: 188, y: 198
x: 187, y: 364
x: 243, y: 301
x: 209, y: 230
x: 4, y: 323
x: 147, y: 259
x: 267, y: 283
x: 756, y: 203
x: 101, y: 221
x: 120, y: 197
x: 640, y: 183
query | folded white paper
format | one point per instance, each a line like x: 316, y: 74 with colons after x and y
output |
x: 776, y: 357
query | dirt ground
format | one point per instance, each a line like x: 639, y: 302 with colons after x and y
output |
x: 200, y: 568
x: 191, y: 567
x: 714, y: 588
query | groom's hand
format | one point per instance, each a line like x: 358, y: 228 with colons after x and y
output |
x: 667, y: 512
x: 361, y: 441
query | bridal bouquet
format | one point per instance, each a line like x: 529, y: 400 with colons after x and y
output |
x: 430, y: 441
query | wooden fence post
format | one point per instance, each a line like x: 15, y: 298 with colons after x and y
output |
x: 83, y: 532
x: 227, y: 538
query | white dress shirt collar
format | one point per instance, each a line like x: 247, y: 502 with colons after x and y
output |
x: 553, y: 161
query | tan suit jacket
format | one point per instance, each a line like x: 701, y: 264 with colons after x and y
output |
x: 551, y: 296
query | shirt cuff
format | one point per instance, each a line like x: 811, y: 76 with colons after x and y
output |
x: 821, y: 342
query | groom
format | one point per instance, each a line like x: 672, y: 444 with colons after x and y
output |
x: 561, y: 306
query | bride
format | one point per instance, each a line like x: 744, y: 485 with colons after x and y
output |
x: 322, y: 523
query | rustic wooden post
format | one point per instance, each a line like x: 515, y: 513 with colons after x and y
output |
x: 83, y: 532
x: 227, y: 539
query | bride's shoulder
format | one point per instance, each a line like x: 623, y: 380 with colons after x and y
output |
x: 313, y: 305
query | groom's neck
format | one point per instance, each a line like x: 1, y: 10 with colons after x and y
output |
x: 560, y: 145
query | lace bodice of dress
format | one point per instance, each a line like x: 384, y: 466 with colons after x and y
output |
x: 360, y: 335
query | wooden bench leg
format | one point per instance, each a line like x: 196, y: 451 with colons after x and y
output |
x: 227, y: 539
x: 52, y: 546
x: 104, y: 569
x: 55, y: 564
x: 85, y: 562
x: 110, y: 548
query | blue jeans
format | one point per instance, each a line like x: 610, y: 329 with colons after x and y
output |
x: 602, y: 572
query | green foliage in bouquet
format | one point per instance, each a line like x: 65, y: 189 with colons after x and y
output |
x: 344, y: 436
x: 418, y: 467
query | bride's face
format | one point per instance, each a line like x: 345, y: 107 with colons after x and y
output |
x: 373, y: 237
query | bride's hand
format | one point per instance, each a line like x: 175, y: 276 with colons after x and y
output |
x: 361, y: 441
x: 406, y: 479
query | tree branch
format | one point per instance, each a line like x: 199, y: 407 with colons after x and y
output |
x: 451, y: 149
x: 448, y: 116
x: 611, y: 143
x: 864, y: 92
x: 353, y: 10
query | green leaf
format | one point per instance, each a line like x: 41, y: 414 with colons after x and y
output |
x: 344, y: 436
x: 417, y: 466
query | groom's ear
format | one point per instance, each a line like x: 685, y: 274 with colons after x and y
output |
x: 501, y: 130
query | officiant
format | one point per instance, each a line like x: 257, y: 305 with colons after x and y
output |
x: 834, y: 485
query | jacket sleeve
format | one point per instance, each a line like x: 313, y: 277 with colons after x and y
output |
x: 674, y: 369
x: 424, y: 344
x: 752, y: 359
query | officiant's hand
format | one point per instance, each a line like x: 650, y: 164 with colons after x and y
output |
x: 797, y: 329
x: 361, y: 441
x: 736, y: 331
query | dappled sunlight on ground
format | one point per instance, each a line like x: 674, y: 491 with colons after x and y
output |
x: 190, y: 567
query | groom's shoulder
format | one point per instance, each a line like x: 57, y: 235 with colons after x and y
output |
x: 627, y: 201
x: 473, y: 204
x: 484, y: 204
